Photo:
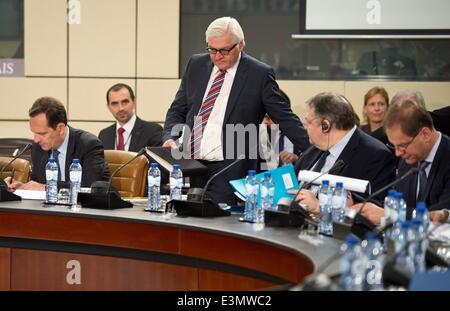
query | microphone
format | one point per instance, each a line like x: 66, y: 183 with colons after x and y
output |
x: 200, y: 205
x: 290, y: 213
x: 319, y: 281
x: 241, y: 157
x: 5, y: 194
x: 15, y: 157
x: 361, y: 225
x: 103, y: 194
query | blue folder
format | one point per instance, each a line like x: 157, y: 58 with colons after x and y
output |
x: 283, y: 177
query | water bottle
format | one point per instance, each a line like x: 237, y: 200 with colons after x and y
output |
x: 402, y: 247
x: 339, y: 202
x: 154, y: 185
x: 419, y: 245
x: 352, y: 264
x: 422, y: 215
x: 75, y: 174
x: 267, y: 192
x: 251, y: 195
x: 176, y: 182
x: 326, y: 218
x: 373, y: 251
x: 390, y: 214
x: 401, y: 207
x: 51, y: 183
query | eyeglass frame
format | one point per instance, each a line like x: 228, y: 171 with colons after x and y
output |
x: 221, y: 51
x: 404, y: 146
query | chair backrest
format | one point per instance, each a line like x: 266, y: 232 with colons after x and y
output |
x: 22, y: 169
x: 130, y: 181
x: 9, y: 145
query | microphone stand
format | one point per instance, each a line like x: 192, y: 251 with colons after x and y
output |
x: 103, y: 195
x: 5, y: 194
x: 198, y: 204
x: 360, y: 225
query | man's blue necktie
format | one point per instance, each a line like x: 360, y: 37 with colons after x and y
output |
x: 422, y: 181
x: 55, y: 155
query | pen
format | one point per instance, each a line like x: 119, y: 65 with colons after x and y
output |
x: 12, y: 174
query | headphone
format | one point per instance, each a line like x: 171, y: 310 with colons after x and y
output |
x: 326, y: 126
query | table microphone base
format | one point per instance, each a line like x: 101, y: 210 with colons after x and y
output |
x: 6, y: 195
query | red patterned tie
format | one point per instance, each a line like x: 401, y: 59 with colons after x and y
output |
x: 120, y: 145
x: 204, y: 113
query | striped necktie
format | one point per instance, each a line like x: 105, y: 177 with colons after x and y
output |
x: 204, y: 113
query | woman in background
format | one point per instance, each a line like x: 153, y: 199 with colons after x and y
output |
x: 376, y: 103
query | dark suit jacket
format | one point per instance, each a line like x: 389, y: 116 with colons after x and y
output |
x: 254, y: 92
x: 441, y: 120
x: 379, y: 133
x: 144, y: 134
x: 364, y: 157
x: 82, y: 145
x: 438, y: 182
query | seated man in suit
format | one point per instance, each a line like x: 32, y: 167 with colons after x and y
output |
x: 129, y: 133
x: 52, y: 135
x: 332, y: 129
x: 410, y: 130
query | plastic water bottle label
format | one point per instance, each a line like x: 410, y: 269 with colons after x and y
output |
x: 75, y: 176
x: 173, y: 182
x: 49, y: 174
x: 272, y: 191
x: 151, y: 181
x: 179, y: 183
x: 264, y: 191
x: 249, y: 189
x: 336, y: 202
x: 323, y: 199
x: 157, y: 181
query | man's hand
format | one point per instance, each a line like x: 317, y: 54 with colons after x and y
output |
x: 287, y: 157
x: 13, y: 185
x: 170, y: 143
x: 371, y: 211
x: 439, y: 217
x: 307, y: 198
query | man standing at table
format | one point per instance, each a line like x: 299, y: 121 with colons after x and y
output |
x: 222, y: 88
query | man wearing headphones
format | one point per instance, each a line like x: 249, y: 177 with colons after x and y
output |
x: 331, y: 124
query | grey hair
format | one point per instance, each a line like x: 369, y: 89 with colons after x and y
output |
x: 221, y: 26
x: 414, y: 96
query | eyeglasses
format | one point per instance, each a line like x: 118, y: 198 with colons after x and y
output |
x: 403, y: 147
x: 223, y: 52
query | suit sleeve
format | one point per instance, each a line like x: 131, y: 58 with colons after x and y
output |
x: 380, y: 171
x: 279, y: 111
x: 155, y: 137
x: 178, y: 110
x: 93, y: 162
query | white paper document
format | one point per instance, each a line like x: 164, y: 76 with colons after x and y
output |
x: 31, y: 194
x: 352, y: 184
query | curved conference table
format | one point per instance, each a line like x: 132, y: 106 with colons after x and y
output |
x: 54, y: 248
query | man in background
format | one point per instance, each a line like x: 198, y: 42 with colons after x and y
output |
x: 129, y: 133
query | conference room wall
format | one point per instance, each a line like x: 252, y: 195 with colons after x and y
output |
x: 131, y: 41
